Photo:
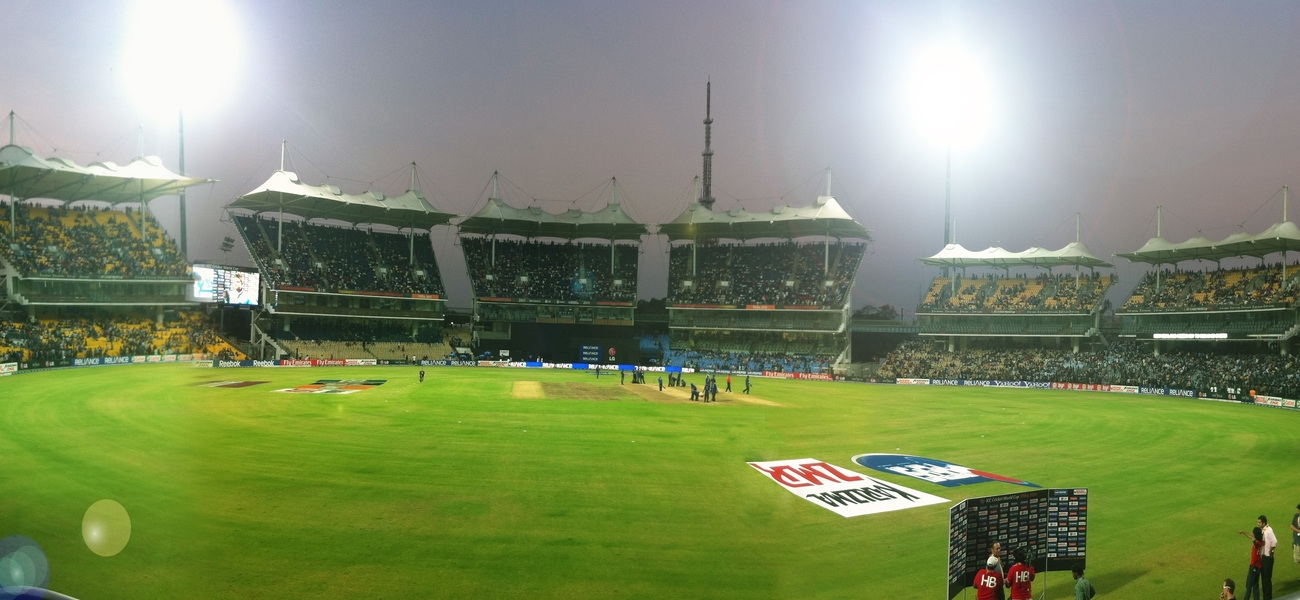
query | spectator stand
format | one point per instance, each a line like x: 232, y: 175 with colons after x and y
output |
x: 1171, y: 305
x: 349, y: 275
x: 529, y: 267
x: 750, y: 290
x: 70, y: 254
x: 1046, y: 307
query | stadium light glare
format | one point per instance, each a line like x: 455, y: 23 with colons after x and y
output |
x: 181, y: 55
x: 950, y: 96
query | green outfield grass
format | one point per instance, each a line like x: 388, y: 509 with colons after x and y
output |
x: 456, y: 489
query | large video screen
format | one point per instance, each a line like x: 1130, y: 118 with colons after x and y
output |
x: 225, y: 285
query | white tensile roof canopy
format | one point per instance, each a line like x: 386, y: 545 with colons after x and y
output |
x: 1073, y: 254
x: 24, y: 175
x: 825, y: 217
x: 1280, y: 237
x: 608, y: 223
x: 284, y: 192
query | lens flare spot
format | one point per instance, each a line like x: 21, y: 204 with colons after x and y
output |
x: 106, y: 528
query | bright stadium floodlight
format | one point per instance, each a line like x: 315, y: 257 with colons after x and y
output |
x: 181, y: 55
x: 949, y: 96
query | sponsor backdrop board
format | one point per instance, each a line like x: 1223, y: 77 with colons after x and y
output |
x: 1052, y: 523
x: 932, y: 470
x: 840, y: 490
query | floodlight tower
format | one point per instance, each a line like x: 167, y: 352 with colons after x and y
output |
x: 706, y: 197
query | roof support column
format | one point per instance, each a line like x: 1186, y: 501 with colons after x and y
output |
x: 279, y: 233
x: 412, y: 236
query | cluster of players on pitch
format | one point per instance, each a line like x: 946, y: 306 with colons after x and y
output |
x: 993, y: 580
x: 708, y: 394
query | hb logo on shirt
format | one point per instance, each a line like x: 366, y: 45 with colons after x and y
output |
x: 988, y: 581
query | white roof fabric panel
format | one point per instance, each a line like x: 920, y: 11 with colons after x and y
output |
x: 24, y: 175
x: 283, y: 191
x: 1073, y: 254
x: 1280, y: 237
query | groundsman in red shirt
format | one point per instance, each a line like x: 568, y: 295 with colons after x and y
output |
x: 1019, y: 577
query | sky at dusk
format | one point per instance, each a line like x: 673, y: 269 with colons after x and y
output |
x: 1105, y: 109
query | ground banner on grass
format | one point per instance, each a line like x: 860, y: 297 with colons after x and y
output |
x: 840, y: 490
x: 335, y: 386
x: 232, y: 384
x: 932, y: 470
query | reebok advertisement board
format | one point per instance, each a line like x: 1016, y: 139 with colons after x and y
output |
x: 1052, y: 523
x: 840, y: 490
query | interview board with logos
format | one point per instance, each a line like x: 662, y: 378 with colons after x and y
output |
x: 1051, y: 523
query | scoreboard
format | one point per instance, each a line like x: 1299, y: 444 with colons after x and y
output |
x: 226, y: 285
x: 1051, y: 523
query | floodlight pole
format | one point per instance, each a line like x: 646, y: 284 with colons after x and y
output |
x: 1078, y: 219
x: 947, y: 206
x: 495, y: 195
x: 181, y: 128
x: 826, y: 260
x: 412, y: 232
x: 13, y: 202
x: 1159, y: 233
x: 613, y: 201
x: 279, y: 230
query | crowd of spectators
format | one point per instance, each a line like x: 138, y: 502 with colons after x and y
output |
x: 335, y: 258
x: 550, y: 271
x: 78, y: 241
x: 1021, y: 293
x: 1220, y: 288
x: 1122, y: 363
x: 753, y: 351
x: 95, y: 336
x: 748, y: 361
x: 769, y: 274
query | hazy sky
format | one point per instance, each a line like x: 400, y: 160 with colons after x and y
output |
x: 1107, y: 109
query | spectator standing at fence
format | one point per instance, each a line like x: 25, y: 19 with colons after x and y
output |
x: 1256, y: 537
x: 1266, y: 558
